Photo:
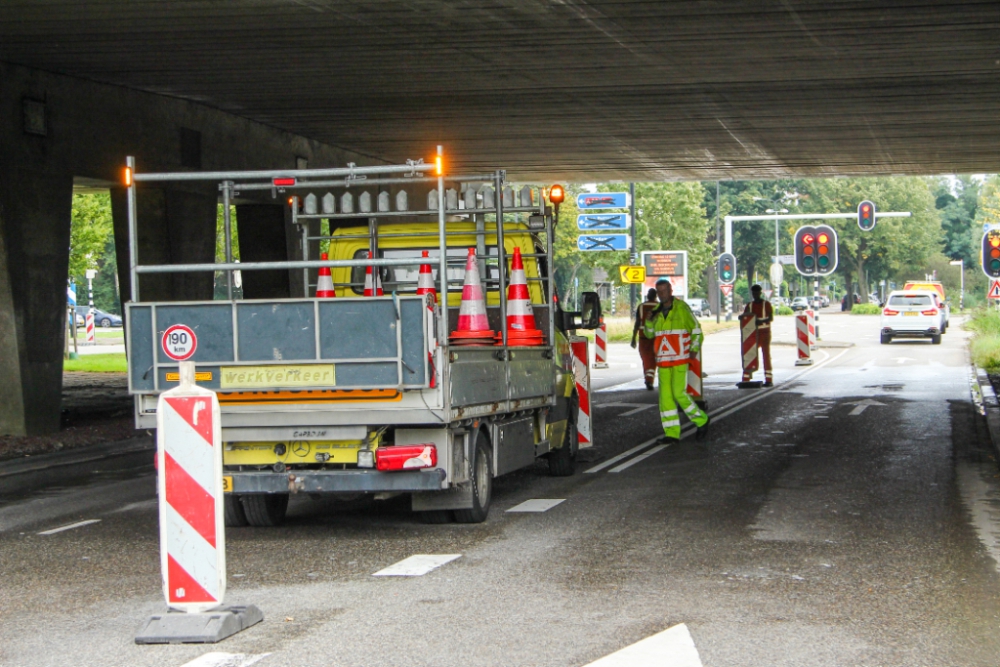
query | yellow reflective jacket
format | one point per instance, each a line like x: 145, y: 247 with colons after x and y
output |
x: 677, y: 334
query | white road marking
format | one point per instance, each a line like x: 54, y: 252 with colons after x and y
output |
x: 71, y: 526
x: 641, y: 457
x: 416, y: 566
x: 671, y: 648
x: 218, y: 659
x: 537, y: 505
x: 903, y: 360
x: 637, y: 410
x: 861, y: 405
x: 639, y: 407
x: 615, y: 459
x: 869, y: 363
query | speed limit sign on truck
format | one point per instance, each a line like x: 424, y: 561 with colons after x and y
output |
x: 179, y: 342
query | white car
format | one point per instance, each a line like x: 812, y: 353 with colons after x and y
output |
x: 912, y: 314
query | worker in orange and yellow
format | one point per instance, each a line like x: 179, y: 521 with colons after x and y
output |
x: 647, y: 351
x: 764, y: 313
x: 676, y: 335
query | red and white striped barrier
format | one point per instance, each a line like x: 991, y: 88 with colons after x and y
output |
x: 91, y: 335
x: 802, y: 339
x: 189, y: 465
x: 581, y: 375
x: 694, y: 388
x: 601, y: 349
x: 812, y: 328
x: 748, y: 347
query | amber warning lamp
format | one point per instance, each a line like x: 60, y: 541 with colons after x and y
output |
x: 128, y: 177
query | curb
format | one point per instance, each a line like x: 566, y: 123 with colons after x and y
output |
x: 986, y: 400
x: 24, y: 465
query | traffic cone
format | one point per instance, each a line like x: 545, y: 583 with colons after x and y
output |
x: 324, y: 282
x: 473, y: 326
x: 377, y: 289
x: 425, y: 280
x: 521, y: 329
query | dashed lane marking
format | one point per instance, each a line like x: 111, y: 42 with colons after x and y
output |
x: 71, y: 526
x: 219, y: 659
x: 641, y: 457
x: 417, y: 566
x: 537, y: 505
x: 673, y: 647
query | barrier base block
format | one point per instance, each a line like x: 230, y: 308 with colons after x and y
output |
x: 206, y: 628
x: 752, y: 384
x: 803, y: 362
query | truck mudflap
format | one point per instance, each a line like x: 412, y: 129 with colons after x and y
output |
x: 327, y: 481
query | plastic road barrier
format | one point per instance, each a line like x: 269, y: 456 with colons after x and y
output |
x: 581, y: 375
x: 802, y: 339
x: 601, y: 349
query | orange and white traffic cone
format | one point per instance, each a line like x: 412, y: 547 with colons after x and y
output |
x: 521, y: 329
x: 324, y: 281
x: 425, y: 280
x: 473, y: 325
x: 373, y: 285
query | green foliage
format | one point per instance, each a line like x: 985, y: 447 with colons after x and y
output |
x: 97, y: 363
x: 865, y: 309
x: 92, y: 246
x: 783, y: 310
x: 957, y: 199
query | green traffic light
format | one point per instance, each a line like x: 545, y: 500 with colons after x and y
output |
x: 995, y: 265
x: 824, y: 261
x: 807, y: 262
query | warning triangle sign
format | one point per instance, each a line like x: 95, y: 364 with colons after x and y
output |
x: 994, y: 292
x: 726, y: 289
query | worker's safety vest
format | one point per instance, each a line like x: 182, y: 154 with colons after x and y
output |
x: 674, y: 335
x: 673, y: 347
x: 762, y: 310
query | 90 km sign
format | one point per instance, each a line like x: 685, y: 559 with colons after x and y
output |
x: 179, y: 342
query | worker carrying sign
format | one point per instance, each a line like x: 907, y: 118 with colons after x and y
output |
x: 676, y: 335
x: 761, y: 308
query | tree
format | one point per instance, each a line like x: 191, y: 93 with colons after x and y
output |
x: 989, y: 204
x: 92, y: 246
x: 957, y: 199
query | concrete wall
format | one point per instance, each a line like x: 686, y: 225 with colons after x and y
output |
x: 56, y: 129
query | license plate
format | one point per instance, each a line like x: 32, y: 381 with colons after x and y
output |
x: 913, y: 314
x: 273, y: 377
x: 227, y: 484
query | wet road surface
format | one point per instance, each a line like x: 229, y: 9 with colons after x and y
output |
x: 847, y: 517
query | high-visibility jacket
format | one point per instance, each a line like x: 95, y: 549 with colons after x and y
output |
x: 677, y: 334
x: 763, y: 310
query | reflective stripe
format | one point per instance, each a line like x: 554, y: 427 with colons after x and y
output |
x: 692, y: 409
x: 668, y: 413
x: 671, y: 422
x: 696, y: 332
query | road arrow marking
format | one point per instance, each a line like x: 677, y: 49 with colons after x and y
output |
x: 218, y: 659
x: 416, y: 566
x: 903, y: 360
x: 671, y: 648
x: 537, y: 505
x: 861, y: 406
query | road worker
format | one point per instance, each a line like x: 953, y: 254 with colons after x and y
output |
x: 764, y: 313
x: 646, y: 349
x: 676, y: 335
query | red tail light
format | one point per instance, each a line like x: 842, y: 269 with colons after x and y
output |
x: 932, y: 311
x: 283, y: 182
x: 890, y: 313
x: 406, y: 457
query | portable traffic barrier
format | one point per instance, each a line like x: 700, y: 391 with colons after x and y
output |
x: 425, y: 279
x: 812, y: 328
x: 324, y: 281
x: 694, y: 385
x: 373, y: 281
x: 802, y: 339
x: 521, y: 328
x: 192, y: 537
x: 601, y: 349
x: 91, y: 335
x: 581, y: 376
x: 425, y: 287
x: 748, y: 350
x: 473, y: 326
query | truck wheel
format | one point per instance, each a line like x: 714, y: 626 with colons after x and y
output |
x: 265, y: 509
x: 482, y: 484
x: 886, y: 339
x: 936, y: 339
x: 562, y: 461
x: 235, y: 516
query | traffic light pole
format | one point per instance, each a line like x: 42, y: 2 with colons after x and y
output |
x: 634, y: 257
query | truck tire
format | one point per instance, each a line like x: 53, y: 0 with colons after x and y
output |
x: 562, y: 461
x: 886, y: 339
x: 264, y: 510
x: 936, y: 339
x: 235, y: 516
x: 481, y: 478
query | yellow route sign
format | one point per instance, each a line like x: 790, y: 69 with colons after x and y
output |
x: 632, y: 274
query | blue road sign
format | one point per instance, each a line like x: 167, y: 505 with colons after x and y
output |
x: 608, y: 222
x: 606, y: 242
x: 71, y: 295
x: 596, y: 200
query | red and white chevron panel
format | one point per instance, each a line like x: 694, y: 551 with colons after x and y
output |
x: 581, y: 375
x: 601, y: 349
x: 812, y: 328
x: 91, y: 335
x: 192, y: 539
x: 748, y: 335
x: 694, y: 388
x: 802, y: 339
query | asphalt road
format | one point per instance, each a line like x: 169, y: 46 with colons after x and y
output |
x: 847, y: 517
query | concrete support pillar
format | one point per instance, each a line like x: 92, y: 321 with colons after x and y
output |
x: 175, y: 227
x: 262, y: 237
x: 35, y: 210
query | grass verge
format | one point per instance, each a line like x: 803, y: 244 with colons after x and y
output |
x: 984, y: 348
x: 97, y: 363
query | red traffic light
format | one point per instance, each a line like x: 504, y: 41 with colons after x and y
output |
x: 807, y: 239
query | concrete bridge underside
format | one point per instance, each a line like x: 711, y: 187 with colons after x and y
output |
x: 565, y: 89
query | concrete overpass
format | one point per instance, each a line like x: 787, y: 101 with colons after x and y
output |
x: 563, y: 89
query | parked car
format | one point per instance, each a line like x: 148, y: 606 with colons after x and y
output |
x: 800, y: 303
x: 699, y: 307
x: 912, y: 314
x: 101, y: 319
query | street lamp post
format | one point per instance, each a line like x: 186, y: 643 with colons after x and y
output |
x: 961, y: 293
x: 777, y: 251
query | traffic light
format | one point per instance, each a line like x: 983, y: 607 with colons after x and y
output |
x: 727, y: 268
x: 866, y: 216
x: 816, y: 250
x: 991, y: 253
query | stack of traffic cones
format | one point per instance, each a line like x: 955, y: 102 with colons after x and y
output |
x: 373, y: 281
x: 521, y: 329
x: 324, y: 281
x: 473, y: 326
x: 425, y: 280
